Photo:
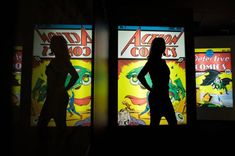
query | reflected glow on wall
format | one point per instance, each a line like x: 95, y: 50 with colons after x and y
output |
x: 79, y: 40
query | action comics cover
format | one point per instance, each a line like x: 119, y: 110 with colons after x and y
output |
x: 133, y: 48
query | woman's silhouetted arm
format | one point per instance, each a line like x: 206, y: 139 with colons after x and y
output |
x: 141, y: 77
x: 74, y: 76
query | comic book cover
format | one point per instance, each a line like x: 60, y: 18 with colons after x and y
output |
x: 213, y: 77
x: 79, y: 42
x: 134, y: 43
x: 16, y: 82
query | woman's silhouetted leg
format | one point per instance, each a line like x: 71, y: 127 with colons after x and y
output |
x: 155, y: 116
x: 170, y: 114
x: 44, y: 117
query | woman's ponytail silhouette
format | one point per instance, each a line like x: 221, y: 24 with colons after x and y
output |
x: 159, y: 101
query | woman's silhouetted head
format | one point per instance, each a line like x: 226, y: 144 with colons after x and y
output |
x: 59, y: 47
x: 157, y: 48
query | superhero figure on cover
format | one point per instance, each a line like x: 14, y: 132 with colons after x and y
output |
x: 215, y: 81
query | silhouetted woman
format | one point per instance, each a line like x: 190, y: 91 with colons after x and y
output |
x: 159, y: 101
x: 57, y: 97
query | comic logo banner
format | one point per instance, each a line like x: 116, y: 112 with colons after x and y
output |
x: 220, y: 62
x: 135, y: 42
x: 212, y: 59
x: 79, y: 41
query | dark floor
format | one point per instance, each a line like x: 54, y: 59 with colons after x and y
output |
x: 212, y: 136
x: 26, y: 141
x: 209, y: 136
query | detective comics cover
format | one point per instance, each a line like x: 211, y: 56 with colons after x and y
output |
x: 213, y: 77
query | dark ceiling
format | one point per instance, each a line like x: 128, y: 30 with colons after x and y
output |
x: 214, y: 17
x: 211, y: 17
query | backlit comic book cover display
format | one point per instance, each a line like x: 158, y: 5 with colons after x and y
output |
x: 133, y: 48
x: 79, y: 41
x: 16, y: 82
x: 214, y: 77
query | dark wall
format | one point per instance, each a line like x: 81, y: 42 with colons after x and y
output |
x: 106, y: 14
x: 8, y: 20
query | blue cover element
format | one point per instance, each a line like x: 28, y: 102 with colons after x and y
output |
x: 151, y: 28
x: 62, y: 26
x: 209, y: 53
